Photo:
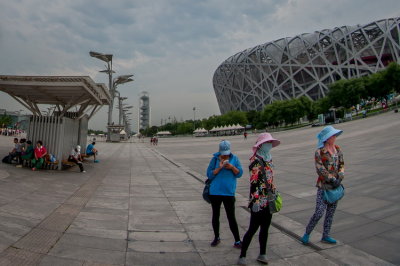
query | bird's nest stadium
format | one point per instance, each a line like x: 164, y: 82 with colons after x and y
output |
x: 304, y: 65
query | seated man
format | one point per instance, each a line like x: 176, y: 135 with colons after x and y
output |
x: 90, y: 150
x: 39, y: 153
x: 15, y: 152
x: 76, y: 157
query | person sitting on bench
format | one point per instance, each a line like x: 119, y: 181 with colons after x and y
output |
x: 15, y: 153
x: 27, y: 153
x: 76, y: 157
x: 90, y: 150
x: 39, y: 153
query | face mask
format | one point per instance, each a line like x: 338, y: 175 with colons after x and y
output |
x: 264, y: 150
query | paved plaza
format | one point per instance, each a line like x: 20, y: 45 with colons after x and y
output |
x: 142, y: 205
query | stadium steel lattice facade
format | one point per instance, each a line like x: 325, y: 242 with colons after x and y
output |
x: 304, y: 65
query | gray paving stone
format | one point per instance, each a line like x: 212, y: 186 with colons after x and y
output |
x: 354, y: 205
x: 88, y: 254
x: 97, y: 210
x: 380, y: 247
x: 117, y: 224
x: 153, y: 218
x: 97, y: 232
x: 393, y: 219
x: 378, y: 214
x: 309, y: 259
x: 157, y: 247
x: 362, y: 232
x: 93, y: 242
x: 158, y: 236
x: 52, y: 260
x: 167, y: 259
x: 347, y: 255
x: 107, y: 202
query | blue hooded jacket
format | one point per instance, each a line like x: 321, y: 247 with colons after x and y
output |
x: 224, y: 183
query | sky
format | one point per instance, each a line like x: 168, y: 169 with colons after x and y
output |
x: 172, y: 47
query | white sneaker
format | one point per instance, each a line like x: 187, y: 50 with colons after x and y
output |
x: 242, y: 261
x: 83, y: 171
x: 262, y: 259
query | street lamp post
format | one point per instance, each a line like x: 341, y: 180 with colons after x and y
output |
x: 117, y: 81
x: 194, y: 118
x: 108, y: 59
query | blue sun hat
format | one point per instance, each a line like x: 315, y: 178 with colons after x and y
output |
x: 325, y: 134
x: 225, y: 147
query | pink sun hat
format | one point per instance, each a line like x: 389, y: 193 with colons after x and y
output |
x: 265, y: 137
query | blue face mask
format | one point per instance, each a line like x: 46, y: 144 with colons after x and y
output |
x: 264, y: 150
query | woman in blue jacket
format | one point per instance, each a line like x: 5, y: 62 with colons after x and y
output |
x: 223, y: 170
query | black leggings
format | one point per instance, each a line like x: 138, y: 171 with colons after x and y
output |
x: 260, y: 219
x: 79, y: 163
x: 229, y: 204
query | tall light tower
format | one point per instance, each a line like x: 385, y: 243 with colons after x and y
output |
x: 144, y: 110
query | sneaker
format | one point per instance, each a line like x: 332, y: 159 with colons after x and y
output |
x: 262, y: 259
x: 19, y: 165
x: 33, y: 169
x: 328, y: 240
x: 242, y: 261
x: 237, y: 244
x: 83, y: 171
x: 305, y: 239
x: 96, y: 161
x: 215, y: 242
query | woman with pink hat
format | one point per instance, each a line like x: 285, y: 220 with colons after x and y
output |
x: 330, y: 169
x: 261, y: 179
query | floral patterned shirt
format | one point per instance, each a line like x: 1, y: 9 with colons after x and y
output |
x: 260, y: 181
x: 328, y: 167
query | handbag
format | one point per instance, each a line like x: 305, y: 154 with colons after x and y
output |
x: 274, y: 201
x: 333, y: 195
x: 273, y: 196
x: 206, y: 191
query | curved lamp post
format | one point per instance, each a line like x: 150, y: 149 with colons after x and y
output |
x: 108, y: 59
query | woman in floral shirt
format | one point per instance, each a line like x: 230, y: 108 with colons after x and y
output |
x: 261, y: 178
x: 329, y: 165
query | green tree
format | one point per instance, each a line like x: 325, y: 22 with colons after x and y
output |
x: 5, y: 120
x: 185, y: 128
x: 392, y: 76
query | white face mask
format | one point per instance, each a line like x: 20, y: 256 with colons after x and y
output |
x: 264, y: 151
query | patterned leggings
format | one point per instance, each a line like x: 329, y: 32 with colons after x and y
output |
x: 320, y: 208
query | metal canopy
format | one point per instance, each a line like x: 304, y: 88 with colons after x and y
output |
x: 64, y: 92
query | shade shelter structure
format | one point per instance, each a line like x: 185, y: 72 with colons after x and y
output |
x: 70, y: 101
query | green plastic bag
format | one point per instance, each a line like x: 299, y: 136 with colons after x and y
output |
x: 274, y: 201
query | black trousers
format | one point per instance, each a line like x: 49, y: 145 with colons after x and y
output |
x: 260, y: 219
x: 80, y: 164
x: 229, y: 204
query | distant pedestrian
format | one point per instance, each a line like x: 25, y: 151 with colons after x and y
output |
x: 223, y: 170
x: 261, y: 180
x: 364, y: 113
x: 330, y: 169
x: 245, y: 135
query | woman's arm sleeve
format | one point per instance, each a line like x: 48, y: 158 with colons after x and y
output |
x: 341, y: 166
x: 239, y: 167
x: 211, y: 168
x: 321, y: 170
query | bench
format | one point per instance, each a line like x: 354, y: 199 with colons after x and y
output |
x: 49, y: 164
